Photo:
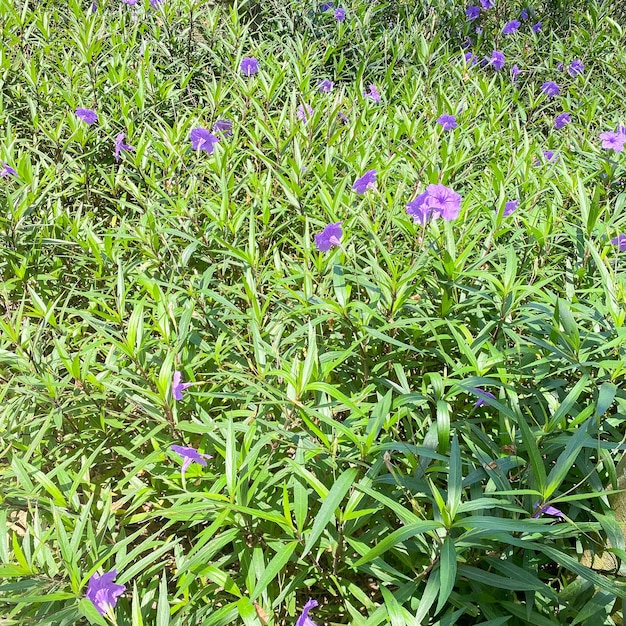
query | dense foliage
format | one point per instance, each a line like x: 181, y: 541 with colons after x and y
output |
x: 419, y: 425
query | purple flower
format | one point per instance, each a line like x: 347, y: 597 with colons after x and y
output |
x: 103, y: 592
x: 326, y: 6
x: 94, y: 7
x: 515, y: 71
x: 621, y: 129
x: 367, y: 181
x: 421, y: 213
x: 620, y: 242
x: 561, y: 120
x: 154, y: 4
x: 483, y: 396
x: 7, y: 170
x: 249, y: 66
x: 613, y: 141
x: 472, y: 12
x: 486, y: 4
x: 575, y: 68
x: 524, y: 15
x: 87, y: 115
x: 326, y: 86
x: 551, y: 89
x: 448, y: 122
x: 178, y: 387
x: 537, y: 27
x: 340, y: 15
x: 120, y: 145
x: 510, y: 206
x: 304, y: 112
x: 223, y: 126
x: 547, y: 510
x: 190, y: 455
x: 202, y: 139
x: 373, y: 93
x: 343, y: 117
x: 551, y: 157
x: 497, y: 60
x: 470, y: 58
x: 329, y: 237
x: 130, y: 3
x: 511, y: 27
x: 443, y: 201
x: 304, y: 619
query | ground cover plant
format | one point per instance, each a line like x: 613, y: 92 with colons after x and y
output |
x: 313, y: 313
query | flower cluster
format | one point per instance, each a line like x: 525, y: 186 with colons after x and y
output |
x: 436, y: 201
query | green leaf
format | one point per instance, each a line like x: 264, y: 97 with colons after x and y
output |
x: 396, y: 537
x: 330, y: 504
x: 428, y: 597
x: 534, y: 456
x: 566, y: 459
x: 455, y: 479
x: 88, y: 610
x: 447, y: 571
x: 273, y: 568
x: 163, y: 606
x: 605, y: 398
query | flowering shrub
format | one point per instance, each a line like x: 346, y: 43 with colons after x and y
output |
x: 313, y: 313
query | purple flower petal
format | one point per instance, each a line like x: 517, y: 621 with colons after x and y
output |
x: 249, y: 66
x: 497, y: 60
x: 576, y: 68
x: 103, y: 591
x: 178, y: 387
x: 510, y: 206
x: 367, y: 181
x: 561, y: 120
x: 511, y: 27
x: 551, y: 89
x: 620, y: 242
x: 329, y: 237
x: 7, y: 170
x: 421, y: 214
x: 326, y: 86
x: 223, y: 126
x: 87, y: 115
x: 305, y: 112
x: 189, y: 456
x: 547, y: 510
x: 537, y: 27
x: 472, y: 12
x: 304, y: 619
x: 613, y: 141
x: 340, y: 14
x: 120, y: 145
x: 448, y: 122
x: 443, y: 201
x: 373, y: 93
x: 483, y: 396
x: 202, y: 139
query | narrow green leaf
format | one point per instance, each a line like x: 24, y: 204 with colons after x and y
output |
x: 534, y: 456
x: 447, y: 569
x: 330, y: 504
x: 163, y: 606
x: 431, y: 591
x: 396, y: 537
x: 455, y: 478
x: 273, y: 568
x: 566, y: 459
